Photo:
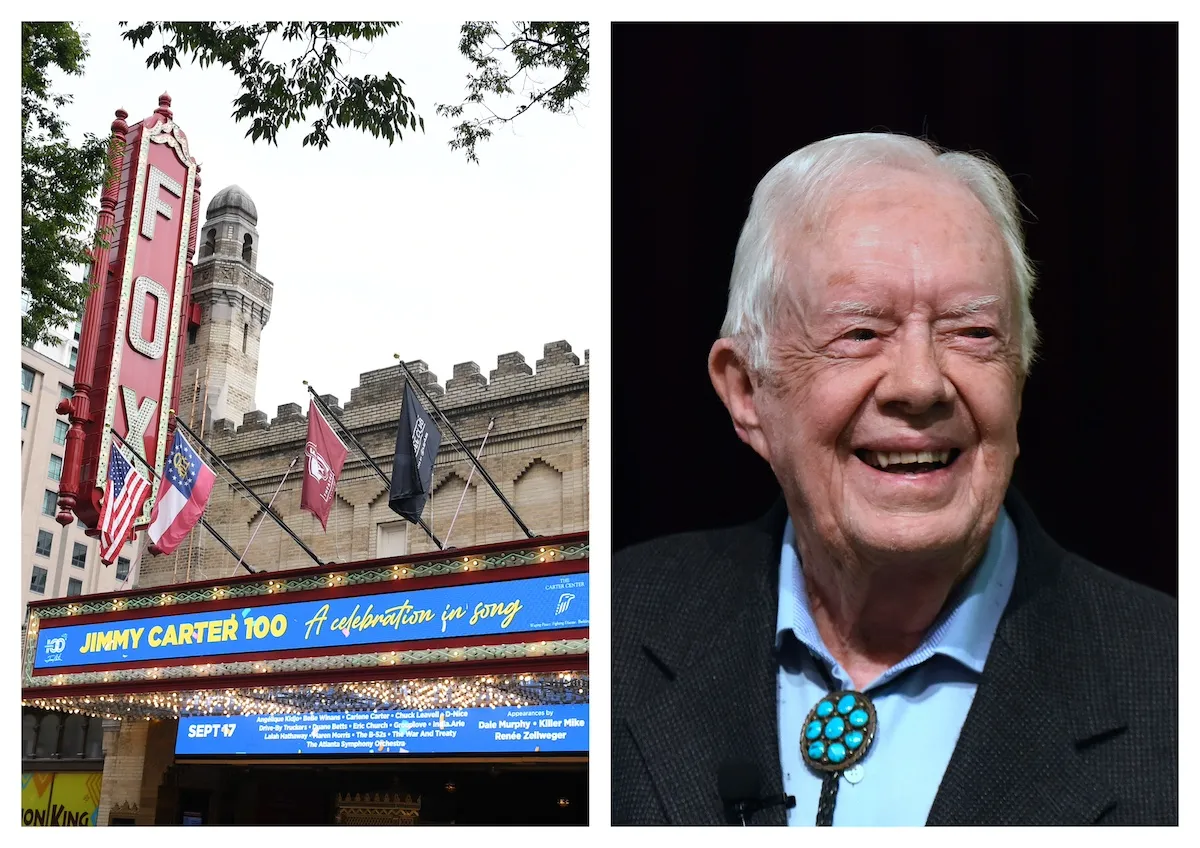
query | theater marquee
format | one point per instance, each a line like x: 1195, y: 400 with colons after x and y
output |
x: 541, y: 729
x: 512, y: 607
x: 530, y: 605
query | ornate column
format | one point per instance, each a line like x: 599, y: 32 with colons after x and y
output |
x: 78, y: 407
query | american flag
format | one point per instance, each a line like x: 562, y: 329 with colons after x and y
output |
x: 124, y: 495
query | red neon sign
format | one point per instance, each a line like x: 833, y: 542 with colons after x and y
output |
x: 130, y: 359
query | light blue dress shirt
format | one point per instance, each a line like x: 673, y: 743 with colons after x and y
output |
x: 920, y: 703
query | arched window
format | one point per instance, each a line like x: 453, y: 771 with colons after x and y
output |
x: 47, y: 740
x: 210, y: 244
x: 247, y: 247
x: 72, y: 738
x: 29, y: 728
x: 93, y: 747
x: 245, y: 337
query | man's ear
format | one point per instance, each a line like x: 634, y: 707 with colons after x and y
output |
x: 1020, y: 396
x: 735, y: 385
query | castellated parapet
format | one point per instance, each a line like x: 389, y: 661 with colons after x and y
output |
x: 537, y: 453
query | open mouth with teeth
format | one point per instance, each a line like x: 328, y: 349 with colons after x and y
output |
x: 908, y: 462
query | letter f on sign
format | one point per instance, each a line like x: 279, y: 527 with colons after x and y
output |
x: 155, y: 205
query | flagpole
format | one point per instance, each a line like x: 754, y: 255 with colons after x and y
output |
x: 331, y: 417
x: 251, y: 492
x: 203, y: 418
x: 469, y: 476
x: 203, y: 521
x: 482, y: 472
x: 192, y: 418
x: 337, y: 550
x: 295, y: 459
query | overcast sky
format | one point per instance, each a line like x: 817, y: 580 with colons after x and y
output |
x: 375, y: 250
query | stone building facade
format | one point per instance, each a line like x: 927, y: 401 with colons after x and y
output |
x: 220, y: 368
x: 537, y: 451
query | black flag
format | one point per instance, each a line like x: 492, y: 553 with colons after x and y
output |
x: 417, y: 443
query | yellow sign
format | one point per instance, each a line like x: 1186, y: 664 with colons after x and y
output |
x: 60, y: 798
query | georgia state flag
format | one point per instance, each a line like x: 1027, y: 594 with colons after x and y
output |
x: 186, y: 485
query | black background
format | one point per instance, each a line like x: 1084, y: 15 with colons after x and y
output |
x: 1082, y: 117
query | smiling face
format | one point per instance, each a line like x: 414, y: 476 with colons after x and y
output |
x: 889, y: 412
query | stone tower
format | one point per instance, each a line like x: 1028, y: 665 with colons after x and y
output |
x: 234, y: 303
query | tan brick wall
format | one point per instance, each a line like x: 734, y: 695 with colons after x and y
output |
x: 160, y: 754
x: 233, y: 300
x: 537, y: 454
x: 136, y: 755
x: 124, y: 755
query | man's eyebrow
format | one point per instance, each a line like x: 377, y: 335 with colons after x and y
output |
x: 971, y: 307
x: 853, y: 307
x: 866, y: 310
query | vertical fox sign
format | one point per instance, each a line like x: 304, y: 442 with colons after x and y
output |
x: 130, y: 361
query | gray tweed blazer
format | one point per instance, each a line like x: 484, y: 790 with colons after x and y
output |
x: 1074, y: 722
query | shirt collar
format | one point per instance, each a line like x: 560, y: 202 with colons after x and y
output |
x: 964, y: 630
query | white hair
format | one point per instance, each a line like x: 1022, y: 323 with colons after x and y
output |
x: 800, y: 189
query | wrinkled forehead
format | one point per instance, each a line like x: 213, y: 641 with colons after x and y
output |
x: 929, y: 236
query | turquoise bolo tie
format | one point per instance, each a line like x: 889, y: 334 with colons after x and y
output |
x: 837, y: 734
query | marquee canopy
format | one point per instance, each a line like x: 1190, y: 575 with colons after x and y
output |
x: 493, y: 625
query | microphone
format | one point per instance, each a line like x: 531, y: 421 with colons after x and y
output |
x: 739, y: 783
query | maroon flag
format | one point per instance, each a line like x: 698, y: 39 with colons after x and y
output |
x: 324, y: 456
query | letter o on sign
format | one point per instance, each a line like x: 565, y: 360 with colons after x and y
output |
x: 154, y: 348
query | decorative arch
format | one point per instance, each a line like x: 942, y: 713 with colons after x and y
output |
x: 380, y: 499
x: 440, y: 480
x: 538, y: 497
x: 446, y: 499
x: 545, y: 461
x: 270, y: 543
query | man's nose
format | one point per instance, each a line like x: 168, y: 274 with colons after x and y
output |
x: 915, y: 381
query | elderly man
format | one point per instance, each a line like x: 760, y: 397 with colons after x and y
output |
x: 898, y: 642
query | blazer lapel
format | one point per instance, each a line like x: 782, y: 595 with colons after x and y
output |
x: 1017, y: 760
x: 720, y: 702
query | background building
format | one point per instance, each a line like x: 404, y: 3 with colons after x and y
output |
x: 56, y: 561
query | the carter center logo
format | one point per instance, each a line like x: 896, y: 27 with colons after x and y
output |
x: 564, y: 601
x: 319, y: 468
x: 55, y: 648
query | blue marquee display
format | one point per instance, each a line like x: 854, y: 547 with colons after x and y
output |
x: 499, y: 730
x: 529, y: 605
